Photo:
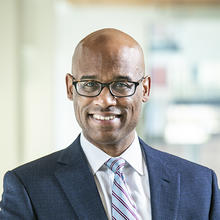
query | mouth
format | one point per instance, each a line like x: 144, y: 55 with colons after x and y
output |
x: 109, y: 117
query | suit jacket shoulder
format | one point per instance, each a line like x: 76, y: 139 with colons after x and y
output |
x: 171, y: 160
x: 181, y: 189
x: 57, y: 186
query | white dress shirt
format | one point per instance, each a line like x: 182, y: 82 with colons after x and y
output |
x: 135, y: 172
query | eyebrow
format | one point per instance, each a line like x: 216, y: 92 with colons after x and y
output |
x: 88, y: 77
x: 125, y: 78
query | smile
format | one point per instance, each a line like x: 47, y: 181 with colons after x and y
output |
x: 104, y: 118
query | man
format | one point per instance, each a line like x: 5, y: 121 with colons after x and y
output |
x: 108, y: 172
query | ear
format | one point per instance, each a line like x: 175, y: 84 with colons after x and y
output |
x: 146, y: 88
x: 69, y: 86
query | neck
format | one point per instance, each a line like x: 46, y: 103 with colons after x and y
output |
x: 115, y: 149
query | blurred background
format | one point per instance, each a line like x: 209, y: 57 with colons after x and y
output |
x: 180, y: 39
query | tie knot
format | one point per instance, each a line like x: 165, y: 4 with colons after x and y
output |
x: 115, y: 164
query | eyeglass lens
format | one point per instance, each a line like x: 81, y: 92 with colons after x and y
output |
x: 93, y: 88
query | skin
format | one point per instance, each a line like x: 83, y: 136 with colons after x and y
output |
x: 108, y: 55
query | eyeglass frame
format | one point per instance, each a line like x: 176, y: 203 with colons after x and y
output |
x: 103, y: 85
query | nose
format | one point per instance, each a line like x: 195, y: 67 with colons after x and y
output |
x: 105, y: 99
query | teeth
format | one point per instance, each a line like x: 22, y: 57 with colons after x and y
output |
x: 99, y: 117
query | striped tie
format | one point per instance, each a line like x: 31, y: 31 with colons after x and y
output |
x: 123, y: 206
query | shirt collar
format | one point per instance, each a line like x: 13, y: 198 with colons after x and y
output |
x: 133, y: 155
x: 96, y: 157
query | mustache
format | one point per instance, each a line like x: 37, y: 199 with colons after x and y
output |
x: 110, y: 109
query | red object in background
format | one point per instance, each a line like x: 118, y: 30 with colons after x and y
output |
x: 159, y: 76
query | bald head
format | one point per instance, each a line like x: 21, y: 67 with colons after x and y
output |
x: 109, y: 37
x: 108, y: 50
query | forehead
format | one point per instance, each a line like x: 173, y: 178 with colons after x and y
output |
x: 108, y: 63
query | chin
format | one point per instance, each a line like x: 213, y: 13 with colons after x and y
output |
x: 105, y: 138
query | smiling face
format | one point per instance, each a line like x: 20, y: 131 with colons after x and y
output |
x: 107, y: 121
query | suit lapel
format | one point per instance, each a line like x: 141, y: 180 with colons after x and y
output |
x: 78, y: 183
x: 164, y: 185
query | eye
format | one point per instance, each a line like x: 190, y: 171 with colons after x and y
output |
x: 122, y: 85
x: 90, y: 84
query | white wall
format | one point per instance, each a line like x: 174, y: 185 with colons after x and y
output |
x: 9, y: 152
x: 26, y: 81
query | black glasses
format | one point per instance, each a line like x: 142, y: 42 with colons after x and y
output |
x: 91, y: 88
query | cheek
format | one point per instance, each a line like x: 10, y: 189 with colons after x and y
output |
x: 77, y: 111
x: 79, y: 108
x: 136, y: 110
x: 134, y: 105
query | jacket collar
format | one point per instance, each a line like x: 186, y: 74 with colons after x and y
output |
x: 77, y: 182
x: 164, y: 184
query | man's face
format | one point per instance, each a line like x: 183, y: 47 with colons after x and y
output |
x: 105, y: 119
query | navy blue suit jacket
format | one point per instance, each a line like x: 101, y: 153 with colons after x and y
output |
x: 61, y: 187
